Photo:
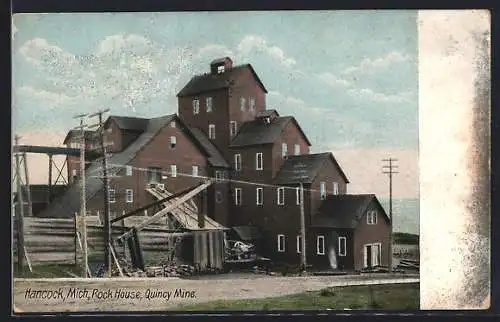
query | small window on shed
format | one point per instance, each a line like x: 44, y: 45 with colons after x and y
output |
x: 220, y: 69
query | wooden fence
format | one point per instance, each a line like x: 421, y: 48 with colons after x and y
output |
x: 54, y: 241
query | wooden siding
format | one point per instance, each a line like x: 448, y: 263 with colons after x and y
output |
x: 51, y: 240
x: 369, y: 234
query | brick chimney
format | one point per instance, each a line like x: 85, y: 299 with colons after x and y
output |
x: 221, y: 65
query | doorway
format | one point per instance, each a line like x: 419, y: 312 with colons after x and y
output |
x: 372, y: 255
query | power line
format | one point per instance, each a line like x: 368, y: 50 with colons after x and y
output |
x: 107, y: 225
x: 389, y: 169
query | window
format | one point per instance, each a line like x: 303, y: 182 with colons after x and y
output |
x: 335, y: 188
x: 242, y: 103
x: 371, y: 217
x: 237, y: 162
x: 129, y: 195
x: 233, y: 128
x: 111, y: 195
x: 252, y: 103
x: 281, y: 243
x: 211, y: 131
x: 260, y: 196
x: 322, y: 190
x: 173, y: 170
x: 128, y: 170
x: 173, y: 142
x: 218, y: 197
x: 284, y: 149
x: 258, y: 161
x: 237, y: 196
x: 320, y: 245
x: 153, y: 175
x: 297, y: 195
x: 196, y: 106
x: 299, y: 244
x: 281, y: 196
x: 208, y: 104
x: 172, y: 124
x: 297, y: 149
x: 220, y: 69
x: 195, y: 170
x: 342, y: 246
x: 219, y: 176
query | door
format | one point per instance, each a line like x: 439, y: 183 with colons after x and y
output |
x: 332, y: 255
x: 376, y: 255
x: 372, y: 255
x: 368, y: 255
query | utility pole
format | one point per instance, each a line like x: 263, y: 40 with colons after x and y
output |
x: 302, y: 229
x: 20, y: 218
x: 83, y: 206
x: 107, y: 225
x: 389, y: 169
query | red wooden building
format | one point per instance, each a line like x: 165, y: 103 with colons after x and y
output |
x: 258, y: 159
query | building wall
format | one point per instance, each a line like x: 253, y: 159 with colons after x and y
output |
x: 291, y: 136
x: 331, y: 237
x: 156, y: 154
x: 368, y: 234
x: 246, y: 86
x: 328, y: 174
x: 218, y: 116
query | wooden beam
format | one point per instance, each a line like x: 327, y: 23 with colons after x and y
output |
x: 177, y: 194
x: 113, y: 253
x: 168, y: 208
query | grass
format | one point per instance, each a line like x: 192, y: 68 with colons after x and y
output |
x: 386, y: 296
x: 48, y: 271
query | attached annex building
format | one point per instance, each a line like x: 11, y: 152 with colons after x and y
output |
x: 258, y: 158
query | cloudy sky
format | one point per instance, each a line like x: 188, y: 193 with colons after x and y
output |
x: 350, y: 78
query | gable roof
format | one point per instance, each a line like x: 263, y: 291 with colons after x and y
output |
x: 267, y: 113
x: 215, y: 158
x: 69, y: 203
x: 128, y: 123
x: 344, y: 211
x: 88, y: 135
x: 210, y: 82
x: 304, y: 168
x: 258, y: 132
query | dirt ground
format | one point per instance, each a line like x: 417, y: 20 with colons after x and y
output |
x: 160, y: 294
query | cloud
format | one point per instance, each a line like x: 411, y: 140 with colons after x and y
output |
x: 334, y: 81
x: 124, y: 71
x: 214, y: 50
x: 368, y: 94
x: 40, y: 95
x: 368, y: 65
x: 255, y: 43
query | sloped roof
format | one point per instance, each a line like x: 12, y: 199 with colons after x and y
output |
x: 344, y: 211
x: 215, y: 158
x: 88, y: 135
x: 69, y: 203
x: 210, y: 82
x: 247, y: 232
x: 220, y: 60
x: 304, y: 168
x: 258, y: 132
x: 267, y: 113
x: 136, y: 124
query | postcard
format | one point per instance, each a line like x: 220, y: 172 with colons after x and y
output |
x: 264, y: 160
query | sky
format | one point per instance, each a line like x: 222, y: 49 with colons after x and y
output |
x: 350, y: 78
